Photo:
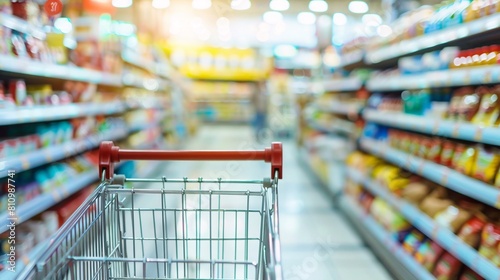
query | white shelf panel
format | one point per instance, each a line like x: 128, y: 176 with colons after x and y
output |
x: 345, y: 84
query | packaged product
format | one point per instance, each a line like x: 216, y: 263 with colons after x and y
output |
x: 489, y: 109
x: 415, y: 143
x: 471, y: 231
x: 428, y: 253
x: 486, y: 164
x: 490, y: 240
x: 447, y: 153
x: 469, y: 274
x: 469, y: 104
x: 434, y: 150
x: 435, y: 202
x: 453, y: 109
x: 397, y: 184
x: 453, y: 217
x: 415, y: 192
x: 413, y: 241
x: 464, y: 158
x: 447, y: 267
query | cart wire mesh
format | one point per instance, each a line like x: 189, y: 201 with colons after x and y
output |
x: 177, y: 229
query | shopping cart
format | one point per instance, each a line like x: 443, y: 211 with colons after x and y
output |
x: 177, y: 229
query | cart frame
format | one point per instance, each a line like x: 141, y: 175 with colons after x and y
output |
x: 99, y: 242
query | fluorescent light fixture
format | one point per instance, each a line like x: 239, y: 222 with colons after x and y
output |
x: 306, y: 18
x: 339, y: 19
x: 372, y: 19
x: 121, y: 3
x: 384, y: 30
x: 279, y: 5
x: 240, y: 5
x: 161, y: 4
x: 272, y: 17
x: 63, y: 24
x: 358, y: 7
x: 318, y: 6
x: 201, y: 4
x: 285, y: 51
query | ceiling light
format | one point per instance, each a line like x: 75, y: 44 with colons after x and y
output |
x: 318, y: 6
x: 358, y: 7
x: 222, y: 22
x: 240, y: 5
x: 372, y: 19
x: 306, y: 18
x: 63, y: 24
x: 272, y: 17
x: 161, y: 4
x: 279, y: 5
x: 201, y: 4
x: 285, y: 51
x: 384, y: 30
x: 121, y: 3
x: 339, y: 19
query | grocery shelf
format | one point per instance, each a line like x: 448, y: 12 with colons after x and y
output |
x: 440, y: 174
x: 154, y: 68
x: 18, y: 24
x: 445, y: 78
x: 51, y: 113
x: 43, y: 202
x: 398, y: 258
x: 340, y: 108
x: 336, y: 126
x: 443, y: 236
x: 352, y: 58
x: 31, y: 67
x: 57, y: 152
x: 435, y: 39
x: 342, y: 84
x: 22, y: 262
x: 433, y: 126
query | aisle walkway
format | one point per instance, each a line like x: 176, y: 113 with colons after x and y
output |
x: 317, y: 243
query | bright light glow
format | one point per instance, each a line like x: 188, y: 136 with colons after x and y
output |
x: 272, y: 17
x: 64, y: 25
x: 384, y: 30
x: 285, y: 51
x: 121, y: 3
x: 225, y: 37
x: 306, y: 18
x: 318, y: 6
x: 372, y: 19
x: 201, y: 4
x: 358, y: 7
x: 240, y: 5
x: 161, y: 4
x: 279, y: 5
x: 339, y: 19
x: 123, y: 29
x: 222, y: 22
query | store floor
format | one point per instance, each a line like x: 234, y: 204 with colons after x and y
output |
x: 317, y: 243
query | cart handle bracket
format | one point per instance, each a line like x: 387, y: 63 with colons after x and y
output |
x: 109, y: 154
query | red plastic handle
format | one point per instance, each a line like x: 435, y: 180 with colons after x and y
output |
x: 109, y: 154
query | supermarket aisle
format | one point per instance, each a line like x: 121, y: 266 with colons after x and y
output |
x: 317, y: 243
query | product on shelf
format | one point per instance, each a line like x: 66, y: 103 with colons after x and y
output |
x: 470, y: 232
x: 413, y: 241
x: 428, y: 254
x: 490, y: 243
x: 469, y: 274
x: 448, y: 267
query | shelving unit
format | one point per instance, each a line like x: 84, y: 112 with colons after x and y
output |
x: 446, y: 239
x: 53, y: 71
x: 440, y: 174
x: 51, y: 113
x: 346, y: 84
x: 58, y: 152
x: 401, y: 264
x: 456, y: 34
x: 337, y: 126
x: 433, y: 126
x: 21, y: 264
x: 446, y: 78
x: 340, y: 108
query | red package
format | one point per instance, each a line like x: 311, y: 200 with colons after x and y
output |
x: 434, y: 150
x: 447, y: 153
x: 447, y: 268
x: 490, y: 240
x: 470, y: 233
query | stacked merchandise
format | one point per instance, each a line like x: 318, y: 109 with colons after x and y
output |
x: 385, y: 189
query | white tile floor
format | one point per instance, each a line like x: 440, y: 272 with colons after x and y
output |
x: 317, y: 243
